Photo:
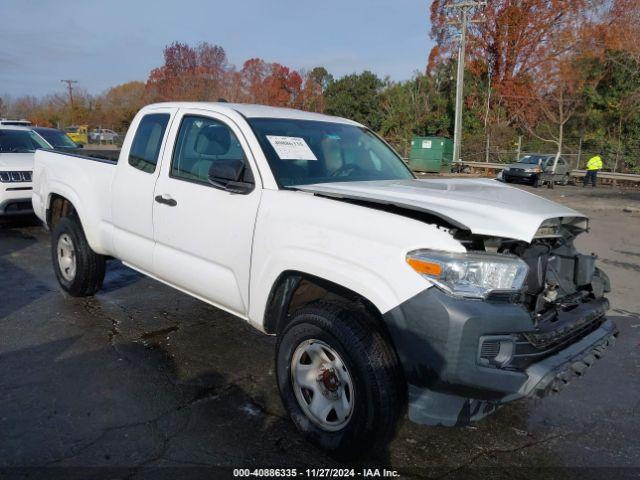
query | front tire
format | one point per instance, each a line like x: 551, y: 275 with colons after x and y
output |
x: 339, y: 379
x: 79, y: 270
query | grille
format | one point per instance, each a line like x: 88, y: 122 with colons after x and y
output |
x: 15, y: 177
x: 530, y: 349
x: 490, y: 349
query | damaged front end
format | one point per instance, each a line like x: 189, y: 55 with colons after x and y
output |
x: 563, y: 291
x: 477, y: 354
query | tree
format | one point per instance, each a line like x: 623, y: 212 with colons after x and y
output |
x: 315, y: 84
x: 281, y: 87
x: 270, y: 83
x: 515, y: 40
x: 120, y: 104
x: 356, y: 96
x: 189, y: 73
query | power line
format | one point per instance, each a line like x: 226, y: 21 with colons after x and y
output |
x: 464, y: 10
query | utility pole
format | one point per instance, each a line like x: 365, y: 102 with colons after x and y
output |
x: 70, y: 84
x: 465, y: 10
x: 486, y: 119
x: 579, y: 154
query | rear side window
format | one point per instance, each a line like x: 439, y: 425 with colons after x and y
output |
x: 201, y: 142
x: 147, y: 141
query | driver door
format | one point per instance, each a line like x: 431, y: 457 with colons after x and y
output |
x: 203, y: 234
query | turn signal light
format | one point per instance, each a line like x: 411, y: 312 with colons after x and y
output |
x: 425, y: 268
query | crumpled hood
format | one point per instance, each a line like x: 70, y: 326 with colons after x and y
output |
x: 16, y: 161
x: 485, y: 207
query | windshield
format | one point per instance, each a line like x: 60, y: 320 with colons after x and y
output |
x: 301, y: 152
x: 532, y: 159
x: 57, y: 138
x: 20, y: 141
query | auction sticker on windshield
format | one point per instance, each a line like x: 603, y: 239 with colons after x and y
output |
x: 291, y: 148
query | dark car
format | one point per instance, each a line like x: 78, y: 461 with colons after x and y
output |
x: 535, y: 168
x: 57, y: 138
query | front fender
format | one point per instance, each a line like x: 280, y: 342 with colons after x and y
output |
x: 361, y: 249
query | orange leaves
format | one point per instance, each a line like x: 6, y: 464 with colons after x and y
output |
x: 204, y: 74
x: 517, y: 40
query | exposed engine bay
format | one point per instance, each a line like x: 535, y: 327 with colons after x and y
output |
x: 560, y: 278
x: 564, y: 290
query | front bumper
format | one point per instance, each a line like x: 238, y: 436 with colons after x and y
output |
x: 15, y: 199
x: 519, y: 176
x: 437, y: 338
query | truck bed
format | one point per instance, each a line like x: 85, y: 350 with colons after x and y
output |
x: 85, y: 181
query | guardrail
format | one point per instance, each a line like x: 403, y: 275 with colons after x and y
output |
x: 623, y: 177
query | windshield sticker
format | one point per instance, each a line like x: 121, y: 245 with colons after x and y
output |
x: 291, y: 148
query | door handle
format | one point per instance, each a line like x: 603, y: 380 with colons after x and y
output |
x: 166, y: 201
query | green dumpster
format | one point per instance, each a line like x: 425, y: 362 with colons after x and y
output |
x: 431, y: 154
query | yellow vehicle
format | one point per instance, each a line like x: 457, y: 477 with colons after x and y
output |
x: 78, y: 133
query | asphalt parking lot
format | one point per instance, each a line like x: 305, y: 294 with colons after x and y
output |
x: 144, y: 376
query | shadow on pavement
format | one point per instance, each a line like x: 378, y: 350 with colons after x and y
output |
x: 125, y: 406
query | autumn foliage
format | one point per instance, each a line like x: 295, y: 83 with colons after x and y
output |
x: 565, y: 73
x: 203, y: 73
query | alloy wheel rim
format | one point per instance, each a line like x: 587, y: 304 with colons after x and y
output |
x: 322, y: 385
x: 66, y: 257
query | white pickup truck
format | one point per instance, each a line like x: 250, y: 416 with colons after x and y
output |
x: 445, y: 297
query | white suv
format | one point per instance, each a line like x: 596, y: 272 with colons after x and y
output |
x: 17, y: 147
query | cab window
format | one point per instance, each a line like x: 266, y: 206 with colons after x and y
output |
x: 201, y: 142
x: 147, y: 142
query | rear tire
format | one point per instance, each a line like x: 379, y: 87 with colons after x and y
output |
x: 370, y: 392
x: 79, y: 270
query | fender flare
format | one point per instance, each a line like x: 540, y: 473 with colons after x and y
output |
x: 61, y: 190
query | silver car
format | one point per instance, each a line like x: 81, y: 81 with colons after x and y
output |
x: 103, y: 135
x: 536, y: 169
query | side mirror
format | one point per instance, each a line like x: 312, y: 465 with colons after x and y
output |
x: 231, y: 175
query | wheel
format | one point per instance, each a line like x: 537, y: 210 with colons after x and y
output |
x: 565, y: 180
x: 80, y: 271
x: 537, y: 182
x: 339, y: 379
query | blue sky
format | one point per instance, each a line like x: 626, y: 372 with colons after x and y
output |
x: 104, y: 43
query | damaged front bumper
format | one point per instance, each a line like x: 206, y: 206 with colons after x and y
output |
x: 440, y: 338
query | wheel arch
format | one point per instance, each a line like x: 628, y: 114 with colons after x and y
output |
x: 293, y: 289
x: 57, y: 207
x: 61, y: 205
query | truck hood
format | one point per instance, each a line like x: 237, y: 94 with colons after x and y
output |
x: 16, y: 161
x: 484, y: 207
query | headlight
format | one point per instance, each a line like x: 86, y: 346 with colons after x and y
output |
x: 10, y: 177
x: 472, y: 275
x: 534, y: 170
